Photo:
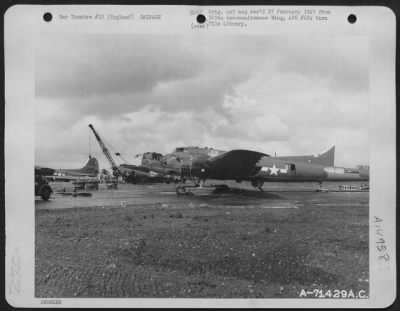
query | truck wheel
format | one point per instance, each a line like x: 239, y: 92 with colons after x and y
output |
x: 180, y: 190
x: 46, y: 194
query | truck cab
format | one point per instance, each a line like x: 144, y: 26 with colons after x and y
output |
x: 42, y: 187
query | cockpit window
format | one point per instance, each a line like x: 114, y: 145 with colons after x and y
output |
x: 156, y: 156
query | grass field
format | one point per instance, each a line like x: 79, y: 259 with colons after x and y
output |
x: 194, y: 249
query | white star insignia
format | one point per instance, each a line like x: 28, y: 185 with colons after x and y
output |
x: 274, y: 170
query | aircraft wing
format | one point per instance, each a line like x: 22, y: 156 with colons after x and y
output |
x: 138, y: 170
x: 236, y: 163
x: 61, y: 178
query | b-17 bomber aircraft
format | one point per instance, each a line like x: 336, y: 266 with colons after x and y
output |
x: 91, y: 169
x: 199, y: 164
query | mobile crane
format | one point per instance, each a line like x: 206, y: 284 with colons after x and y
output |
x: 114, y: 167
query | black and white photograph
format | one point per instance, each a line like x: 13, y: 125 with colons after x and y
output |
x: 204, y: 163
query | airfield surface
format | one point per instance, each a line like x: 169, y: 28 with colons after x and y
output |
x: 145, y: 241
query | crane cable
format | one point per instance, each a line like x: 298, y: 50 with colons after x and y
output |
x: 111, y: 148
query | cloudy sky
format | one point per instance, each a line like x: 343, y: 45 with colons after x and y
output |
x: 289, y: 95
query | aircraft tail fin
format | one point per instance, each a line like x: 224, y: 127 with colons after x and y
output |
x: 363, y: 170
x: 91, y: 167
x: 326, y: 158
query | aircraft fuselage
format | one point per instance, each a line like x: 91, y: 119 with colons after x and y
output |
x: 196, y: 162
x: 243, y: 165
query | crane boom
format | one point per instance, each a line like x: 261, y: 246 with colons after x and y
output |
x: 107, y: 154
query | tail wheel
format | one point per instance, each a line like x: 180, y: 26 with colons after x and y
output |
x: 46, y: 194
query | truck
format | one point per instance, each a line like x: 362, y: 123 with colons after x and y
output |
x: 42, y: 187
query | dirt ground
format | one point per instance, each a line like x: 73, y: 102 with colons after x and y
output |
x: 236, y: 245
